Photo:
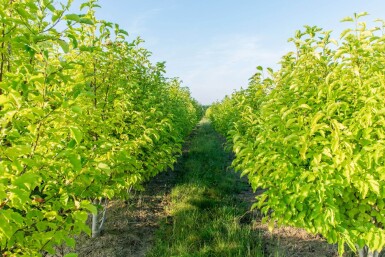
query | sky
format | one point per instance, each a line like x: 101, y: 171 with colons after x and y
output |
x: 214, y: 46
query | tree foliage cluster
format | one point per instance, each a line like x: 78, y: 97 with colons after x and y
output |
x: 84, y: 116
x: 312, y: 134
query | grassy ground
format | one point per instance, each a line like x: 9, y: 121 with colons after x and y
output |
x: 205, y: 212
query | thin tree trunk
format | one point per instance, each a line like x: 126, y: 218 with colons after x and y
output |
x: 97, y: 226
x: 375, y: 254
x: 103, y: 216
x: 361, y: 251
x: 95, y: 221
x: 9, y: 57
x: 365, y: 252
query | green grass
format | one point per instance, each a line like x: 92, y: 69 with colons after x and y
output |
x: 205, y: 211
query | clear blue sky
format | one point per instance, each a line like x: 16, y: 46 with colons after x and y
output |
x: 214, y: 46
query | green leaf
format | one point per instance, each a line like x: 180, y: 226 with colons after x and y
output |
x: 64, y: 197
x: 347, y: 19
x: 18, y: 150
x: 71, y: 143
x: 304, y: 106
x: 75, y: 160
x: 51, y: 215
x: 345, y: 32
x: 42, y: 226
x: 80, y: 216
x: 86, y: 21
x: 3, y: 193
x: 374, y: 186
x: 72, y: 17
x: 28, y: 180
x: 77, y: 134
x: 303, y: 150
x: 71, y: 243
x: 121, y: 31
x: 103, y: 166
x: 76, y: 109
x: 73, y: 40
x: 63, y: 45
x: 361, y: 14
x: 51, y: 7
x: 84, y: 5
x: 88, y: 206
x: 3, y: 99
x: 23, y: 13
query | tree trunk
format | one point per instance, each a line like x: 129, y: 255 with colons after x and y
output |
x: 365, y: 252
x: 97, y: 225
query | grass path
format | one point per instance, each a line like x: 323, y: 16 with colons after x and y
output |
x: 205, y: 211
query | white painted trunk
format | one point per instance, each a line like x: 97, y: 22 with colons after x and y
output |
x: 365, y: 252
x: 373, y: 254
x: 103, y: 216
x: 361, y: 252
x: 95, y: 227
x: 97, y: 224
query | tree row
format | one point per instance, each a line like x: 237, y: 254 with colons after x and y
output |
x: 312, y: 135
x: 85, y: 116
